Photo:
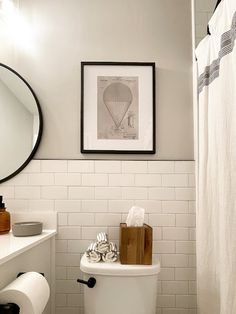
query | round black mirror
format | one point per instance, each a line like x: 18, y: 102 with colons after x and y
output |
x: 21, y: 123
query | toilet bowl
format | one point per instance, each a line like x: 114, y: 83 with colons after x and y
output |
x: 120, y: 289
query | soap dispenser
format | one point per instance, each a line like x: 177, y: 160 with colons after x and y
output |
x: 4, y: 218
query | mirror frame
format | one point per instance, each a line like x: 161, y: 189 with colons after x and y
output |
x: 31, y: 155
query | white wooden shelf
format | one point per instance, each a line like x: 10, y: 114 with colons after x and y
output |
x: 11, y: 246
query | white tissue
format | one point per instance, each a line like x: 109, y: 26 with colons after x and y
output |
x: 135, y: 217
x: 30, y: 292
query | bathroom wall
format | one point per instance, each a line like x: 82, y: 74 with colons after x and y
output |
x: 57, y: 35
x: 94, y: 196
x: 204, y: 11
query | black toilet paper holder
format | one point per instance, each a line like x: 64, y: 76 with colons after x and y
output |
x: 9, y: 308
x: 12, y: 308
x: 23, y: 272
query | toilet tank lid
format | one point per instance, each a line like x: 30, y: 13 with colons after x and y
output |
x: 117, y: 269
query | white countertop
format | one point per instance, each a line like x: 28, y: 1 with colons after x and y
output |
x: 11, y: 246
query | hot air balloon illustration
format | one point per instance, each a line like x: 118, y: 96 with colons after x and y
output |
x: 117, y: 98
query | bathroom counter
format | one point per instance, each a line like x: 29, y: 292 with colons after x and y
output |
x: 11, y: 246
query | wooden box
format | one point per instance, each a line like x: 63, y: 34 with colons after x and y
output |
x: 135, y: 245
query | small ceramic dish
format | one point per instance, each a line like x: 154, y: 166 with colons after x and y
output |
x: 27, y: 228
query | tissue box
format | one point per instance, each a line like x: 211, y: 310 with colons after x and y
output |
x: 135, y: 245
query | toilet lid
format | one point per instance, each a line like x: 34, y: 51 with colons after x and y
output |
x: 117, y: 269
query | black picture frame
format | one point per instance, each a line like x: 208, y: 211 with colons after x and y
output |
x: 109, y: 90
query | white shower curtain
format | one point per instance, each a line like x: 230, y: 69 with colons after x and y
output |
x: 216, y: 175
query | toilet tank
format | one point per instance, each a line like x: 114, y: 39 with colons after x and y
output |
x: 120, y: 289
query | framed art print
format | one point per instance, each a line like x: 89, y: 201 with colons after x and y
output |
x: 118, y: 107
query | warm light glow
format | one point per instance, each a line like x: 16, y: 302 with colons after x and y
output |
x: 7, y: 6
x: 18, y: 30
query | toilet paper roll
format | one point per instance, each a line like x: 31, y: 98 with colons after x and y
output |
x: 30, y: 292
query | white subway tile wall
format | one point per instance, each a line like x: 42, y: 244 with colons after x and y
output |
x: 94, y: 196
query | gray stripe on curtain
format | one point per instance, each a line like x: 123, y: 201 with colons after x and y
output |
x: 211, y: 72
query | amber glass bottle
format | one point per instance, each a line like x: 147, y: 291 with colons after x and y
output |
x: 5, y: 222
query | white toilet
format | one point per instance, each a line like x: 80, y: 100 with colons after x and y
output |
x: 120, y: 289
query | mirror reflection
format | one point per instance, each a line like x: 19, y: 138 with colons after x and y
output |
x: 20, y: 123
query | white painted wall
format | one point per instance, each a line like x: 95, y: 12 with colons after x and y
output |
x: 204, y: 10
x: 92, y: 196
x: 64, y: 33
